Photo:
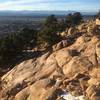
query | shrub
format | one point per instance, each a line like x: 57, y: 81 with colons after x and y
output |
x: 13, y: 45
x: 73, y: 19
x: 48, y: 34
x: 77, y: 18
x: 28, y: 38
x: 98, y: 14
x: 69, y: 20
x: 50, y: 21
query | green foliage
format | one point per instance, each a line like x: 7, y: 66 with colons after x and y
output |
x: 98, y: 14
x: 69, y: 20
x: 73, y: 19
x: 13, y: 45
x: 28, y: 38
x: 77, y: 18
x: 52, y: 26
x: 7, y: 49
x: 48, y: 35
x: 49, y: 32
x: 62, y: 25
x: 51, y: 20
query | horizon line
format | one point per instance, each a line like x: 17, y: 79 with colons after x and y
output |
x: 56, y: 10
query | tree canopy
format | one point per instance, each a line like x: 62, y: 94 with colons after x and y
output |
x: 73, y: 19
x: 98, y: 14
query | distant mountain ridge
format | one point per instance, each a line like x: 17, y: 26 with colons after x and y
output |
x: 40, y: 13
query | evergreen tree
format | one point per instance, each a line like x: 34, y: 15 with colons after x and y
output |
x: 69, y: 20
x: 73, y: 19
x: 49, y: 32
x: 51, y: 20
x: 77, y: 18
x: 98, y: 15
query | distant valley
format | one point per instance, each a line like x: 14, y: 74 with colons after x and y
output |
x: 14, y: 21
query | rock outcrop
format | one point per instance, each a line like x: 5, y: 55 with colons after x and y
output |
x: 73, y: 65
x: 97, y: 21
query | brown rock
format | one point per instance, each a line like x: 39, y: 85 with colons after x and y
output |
x: 97, y: 22
x: 93, y: 92
x: 70, y: 60
x: 95, y: 77
x: 72, y: 31
x: 22, y: 95
x: 76, y: 65
x: 60, y: 45
x: 98, y: 49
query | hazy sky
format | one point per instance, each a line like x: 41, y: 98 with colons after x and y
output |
x: 86, y: 5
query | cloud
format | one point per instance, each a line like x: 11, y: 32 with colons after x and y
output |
x: 49, y: 5
x: 26, y: 4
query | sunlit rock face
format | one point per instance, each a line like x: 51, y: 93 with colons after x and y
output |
x: 71, y: 70
x: 97, y: 21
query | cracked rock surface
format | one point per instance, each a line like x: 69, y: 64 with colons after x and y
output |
x: 74, y: 68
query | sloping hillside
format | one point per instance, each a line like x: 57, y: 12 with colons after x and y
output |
x: 72, y: 65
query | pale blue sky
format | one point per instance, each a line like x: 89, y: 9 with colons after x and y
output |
x: 85, y: 5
